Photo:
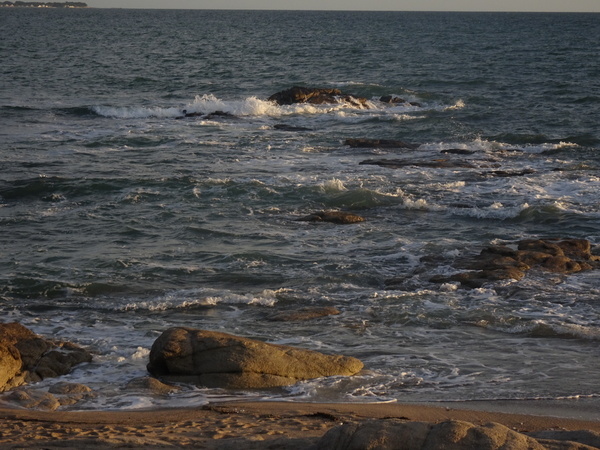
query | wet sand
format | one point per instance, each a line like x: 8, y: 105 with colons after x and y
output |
x: 236, y: 426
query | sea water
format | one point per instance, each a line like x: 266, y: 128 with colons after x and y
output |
x: 121, y: 218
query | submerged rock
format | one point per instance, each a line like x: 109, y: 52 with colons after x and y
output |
x: 337, y: 217
x: 458, y: 151
x: 151, y: 385
x: 214, y: 359
x: 452, y: 434
x: 501, y: 262
x: 379, y: 143
x: 26, y: 357
x: 303, y: 314
x: 394, y: 100
x: 433, y: 164
x: 316, y: 96
x: 209, y: 116
x: 285, y: 127
x: 509, y: 173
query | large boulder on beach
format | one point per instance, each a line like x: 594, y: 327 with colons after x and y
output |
x: 316, y: 96
x: 450, y: 435
x: 215, y: 359
x: 26, y: 357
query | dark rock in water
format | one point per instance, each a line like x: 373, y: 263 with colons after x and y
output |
x: 500, y: 262
x: 303, y: 314
x: 316, y: 96
x: 457, y: 151
x: 506, y: 173
x: 338, y: 217
x: 397, y: 100
x: 478, y: 278
x: 218, y: 114
x: 210, y: 116
x: 26, y: 357
x: 216, y: 359
x: 391, y: 99
x: 433, y: 164
x: 379, y: 143
x: 284, y: 127
x: 453, y: 434
x: 192, y: 114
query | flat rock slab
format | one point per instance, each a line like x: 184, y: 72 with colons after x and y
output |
x: 215, y: 359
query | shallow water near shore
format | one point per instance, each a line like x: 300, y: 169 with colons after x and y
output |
x: 122, y: 218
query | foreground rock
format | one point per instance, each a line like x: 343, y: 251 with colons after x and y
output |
x: 26, y: 357
x: 214, y: 359
x: 502, y: 262
x: 316, y: 96
x: 451, y: 435
x: 337, y: 217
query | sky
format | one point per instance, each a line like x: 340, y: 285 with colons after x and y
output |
x: 353, y: 5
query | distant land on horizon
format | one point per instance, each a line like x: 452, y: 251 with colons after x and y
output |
x: 19, y: 4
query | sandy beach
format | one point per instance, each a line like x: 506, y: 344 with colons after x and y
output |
x: 265, y: 425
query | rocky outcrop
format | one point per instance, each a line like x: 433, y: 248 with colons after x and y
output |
x: 214, y: 359
x: 316, y: 96
x: 451, y: 435
x: 26, y: 357
x: 379, y: 143
x: 337, y: 217
x: 502, y: 262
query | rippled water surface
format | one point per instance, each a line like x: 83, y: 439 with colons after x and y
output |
x: 121, y: 218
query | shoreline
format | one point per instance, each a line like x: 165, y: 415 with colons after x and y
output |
x: 249, y: 425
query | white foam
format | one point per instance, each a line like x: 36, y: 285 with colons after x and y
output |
x: 184, y: 299
x: 333, y: 186
x: 460, y: 104
x: 132, y: 112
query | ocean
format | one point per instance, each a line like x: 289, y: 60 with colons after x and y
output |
x: 121, y: 218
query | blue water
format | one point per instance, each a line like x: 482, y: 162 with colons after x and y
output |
x: 120, y: 219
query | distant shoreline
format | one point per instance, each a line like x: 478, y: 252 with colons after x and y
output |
x: 20, y: 4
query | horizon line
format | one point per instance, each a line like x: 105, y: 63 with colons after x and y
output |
x: 349, y: 10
